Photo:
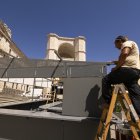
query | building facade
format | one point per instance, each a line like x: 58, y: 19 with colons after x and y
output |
x: 73, y: 49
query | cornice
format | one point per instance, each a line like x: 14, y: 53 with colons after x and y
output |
x: 12, y: 44
x: 65, y: 38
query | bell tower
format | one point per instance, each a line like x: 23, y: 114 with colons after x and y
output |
x: 72, y: 49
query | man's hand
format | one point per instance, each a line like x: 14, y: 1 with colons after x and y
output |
x: 113, y: 69
x: 115, y: 62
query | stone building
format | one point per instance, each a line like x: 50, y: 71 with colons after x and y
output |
x: 6, y: 43
x: 72, y: 49
x: 9, y: 48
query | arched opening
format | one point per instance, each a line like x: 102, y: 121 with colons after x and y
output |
x: 66, y: 51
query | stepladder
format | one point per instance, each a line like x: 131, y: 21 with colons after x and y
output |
x: 121, y: 95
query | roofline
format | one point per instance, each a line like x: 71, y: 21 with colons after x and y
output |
x: 13, y: 45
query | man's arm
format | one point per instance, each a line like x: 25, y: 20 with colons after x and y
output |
x: 124, y: 53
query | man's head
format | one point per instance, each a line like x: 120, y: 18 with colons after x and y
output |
x: 119, y: 41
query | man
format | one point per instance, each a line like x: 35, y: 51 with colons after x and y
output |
x: 126, y: 71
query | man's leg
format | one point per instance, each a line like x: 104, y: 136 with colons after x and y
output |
x: 134, y: 93
x: 106, y: 89
x: 122, y: 75
x: 114, y: 77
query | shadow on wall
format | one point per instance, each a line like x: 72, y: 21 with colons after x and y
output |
x: 93, y: 101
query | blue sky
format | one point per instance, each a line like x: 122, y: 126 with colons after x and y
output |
x: 100, y: 21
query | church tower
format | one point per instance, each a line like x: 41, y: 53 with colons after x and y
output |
x: 72, y: 49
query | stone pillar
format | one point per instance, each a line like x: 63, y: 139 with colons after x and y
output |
x: 1, y: 86
x: 80, y: 49
x: 52, y: 45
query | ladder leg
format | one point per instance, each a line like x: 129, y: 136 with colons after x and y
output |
x: 102, y: 119
x: 128, y: 116
x: 126, y: 105
x: 131, y: 107
x: 132, y: 127
x: 110, y: 111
